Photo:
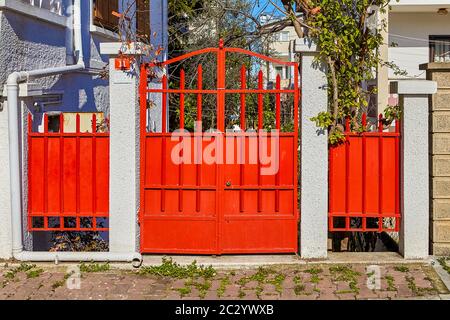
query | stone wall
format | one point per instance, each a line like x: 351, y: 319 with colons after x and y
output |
x: 440, y: 158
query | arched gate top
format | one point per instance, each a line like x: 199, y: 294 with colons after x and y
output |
x: 225, y: 49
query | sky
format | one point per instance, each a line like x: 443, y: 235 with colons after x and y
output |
x: 265, y: 5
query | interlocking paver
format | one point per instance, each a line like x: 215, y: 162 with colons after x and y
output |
x: 300, y: 283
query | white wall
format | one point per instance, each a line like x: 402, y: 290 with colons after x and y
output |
x: 411, y: 31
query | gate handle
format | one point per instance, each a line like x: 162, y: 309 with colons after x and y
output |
x: 228, y: 184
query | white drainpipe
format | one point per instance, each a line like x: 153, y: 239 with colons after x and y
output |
x: 14, y: 158
x: 69, y: 32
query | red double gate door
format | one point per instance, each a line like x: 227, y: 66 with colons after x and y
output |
x: 218, y: 195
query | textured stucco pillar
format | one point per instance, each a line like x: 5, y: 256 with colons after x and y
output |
x: 314, y: 157
x: 440, y: 158
x: 5, y: 203
x: 124, y: 154
x: 414, y: 180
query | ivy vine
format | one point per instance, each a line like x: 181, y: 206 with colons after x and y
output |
x: 348, y: 34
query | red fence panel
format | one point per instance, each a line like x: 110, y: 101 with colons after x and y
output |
x: 364, y: 181
x: 68, y: 178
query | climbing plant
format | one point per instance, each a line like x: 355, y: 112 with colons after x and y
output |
x: 348, y: 34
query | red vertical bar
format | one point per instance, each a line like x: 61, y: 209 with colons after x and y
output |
x: 30, y: 152
x: 380, y: 174
x: 163, y: 147
x: 143, y: 138
x: 330, y: 188
x: 78, y: 151
x: 297, y: 96
x: 182, y: 87
x: 61, y: 167
x: 45, y: 170
x: 278, y: 104
x: 363, y: 178
x: 242, y: 138
x: 180, y: 166
x: 260, y: 127
x: 243, y: 102
x: 199, y: 141
x: 164, y: 104
x: 347, y: 174
x: 347, y: 125
x: 221, y: 83
x: 260, y: 101
x: 221, y: 69
x: 278, y: 129
x: 199, y: 95
x: 94, y: 170
x: 397, y: 175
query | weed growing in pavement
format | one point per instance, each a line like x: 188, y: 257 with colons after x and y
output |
x: 171, y: 269
x: 94, y: 267
x: 417, y: 290
x: 346, y: 274
x: 23, y: 267
x: 34, y: 273
x: 403, y: 269
x: 222, y: 287
x: 391, y: 283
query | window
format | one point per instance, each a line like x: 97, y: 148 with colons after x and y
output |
x: 103, y: 16
x: 288, y: 72
x: 283, y: 36
x: 279, y: 72
x: 439, y: 48
x: 143, y: 18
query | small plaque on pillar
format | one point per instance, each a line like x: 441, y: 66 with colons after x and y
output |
x: 122, y: 63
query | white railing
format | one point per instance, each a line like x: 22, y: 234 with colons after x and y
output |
x: 54, y: 6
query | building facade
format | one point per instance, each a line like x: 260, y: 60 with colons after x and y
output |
x: 419, y: 32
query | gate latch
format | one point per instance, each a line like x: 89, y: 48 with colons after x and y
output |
x: 228, y: 184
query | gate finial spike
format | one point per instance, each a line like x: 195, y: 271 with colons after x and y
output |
x: 221, y: 43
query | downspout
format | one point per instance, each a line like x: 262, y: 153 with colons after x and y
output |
x: 69, y: 32
x: 14, y: 158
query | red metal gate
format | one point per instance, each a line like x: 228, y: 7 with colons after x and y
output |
x: 68, y: 178
x: 200, y: 207
x: 364, y: 178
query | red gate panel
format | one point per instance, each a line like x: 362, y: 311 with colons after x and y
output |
x: 364, y: 181
x: 68, y: 178
x: 225, y: 206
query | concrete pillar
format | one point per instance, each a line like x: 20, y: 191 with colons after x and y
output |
x: 5, y: 203
x: 414, y: 96
x: 124, y: 153
x: 314, y: 157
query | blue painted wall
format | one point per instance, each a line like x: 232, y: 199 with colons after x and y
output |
x: 27, y: 43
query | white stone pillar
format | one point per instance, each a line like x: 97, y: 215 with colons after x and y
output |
x: 414, y: 179
x: 314, y: 157
x: 5, y: 201
x: 124, y: 153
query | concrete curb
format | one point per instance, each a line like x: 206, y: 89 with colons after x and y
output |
x: 254, y: 261
x: 445, y: 277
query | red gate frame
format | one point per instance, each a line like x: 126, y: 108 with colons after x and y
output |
x: 288, y: 223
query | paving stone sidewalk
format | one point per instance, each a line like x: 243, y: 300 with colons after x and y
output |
x: 171, y: 281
